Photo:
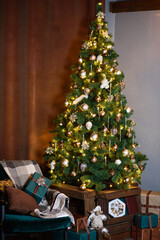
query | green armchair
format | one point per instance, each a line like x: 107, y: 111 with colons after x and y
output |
x: 13, y: 223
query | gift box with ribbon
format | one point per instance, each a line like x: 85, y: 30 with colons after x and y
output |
x: 38, y: 186
x: 149, y: 220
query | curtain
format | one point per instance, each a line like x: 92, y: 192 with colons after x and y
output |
x: 39, y: 41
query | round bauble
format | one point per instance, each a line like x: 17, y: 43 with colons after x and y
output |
x: 73, y: 173
x: 83, y: 167
x: 83, y: 186
x: 112, y: 172
x: 117, y: 98
x: 133, y: 160
x: 99, y: 58
x: 125, y: 168
x: 94, y: 44
x: 102, y: 113
x: 93, y: 159
x: 118, y: 119
x: 52, y: 164
x: 105, y: 129
x: 61, y: 144
x: 93, y: 115
x: 114, y: 131
x: 133, y: 123
x: 74, y: 86
x: 141, y: 167
x: 118, y: 72
x: 77, y: 144
x: 132, y: 156
x: 105, y: 51
x: 118, y: 161
x: 66, y: 103
x: 102, y: 145
x: 115, y: 147
x: 86, y: 91
x: 94, y: 137
x: 98, y: 98
x: 122, y: 85
x: 129, y: 134
x: 98, y: 70
x: 92, y: 57
x: 128, y: 109
x: 65, y: 163
x: 84, y: 107
x: 80, y: 60
x: 82, y: 74
x: 88, y: 125
x: 125, y: 152
x: 69, y: 133
x: 127, y: 180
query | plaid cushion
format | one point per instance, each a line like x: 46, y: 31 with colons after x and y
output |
x: 20, y: 170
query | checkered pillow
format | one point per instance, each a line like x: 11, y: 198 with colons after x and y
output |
x: 20, y: 170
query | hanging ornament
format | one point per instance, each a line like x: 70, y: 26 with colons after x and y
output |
x: 88, y: 125
x: 115, y: 147
x: 118, y: 72
x: 122, y: 85
x: 85, y: 45
x: 94, y: 44
x: 141, y: 167
x: 133, y: 145
x: 125, y: 168
x: 105, y: 129
x: 73, y: 173
x: 84, y: 107
x: 49, y: 150
x: 85, y: 145
x: 98, y: 70
x: 92, y: 57
x: 112, y: 172
x: 61, y: 144
x: 94, y: 137
x: 102, y: 113
x: 65, y: 163
x: 60, y: 124
x: 127, y: 180
x: 80, y: 127
x: 100, y: 15
x: 93, y: 115
x: 129, y: 134
x: 87, y: 91
x: 83, y: 186
x: 69, y: 133
x: 100, y: 59
x: 118, y: 161
x: 132, y: 122
x: 102, y: 145
x: 132, y: 156
x: 80, y: 60
x: 98, y: 98
x: 114, y: 131
x: 125, y: 152
x: 74, y: 86
x: 73, y: 117
x: 110, y: 98
x: 128, y: 109
x: 83, y: 167
x: 104, y: 83
x: 93, y: 159
x: 82, y: 74
x: 133, y: 160
x: 118, y: 119
x: 77, y: 144
x: 105, y: 51
x: 52, y: 164
x: 117, y: 98
x: 66, y: 103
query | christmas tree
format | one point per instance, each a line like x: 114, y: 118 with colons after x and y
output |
x: 94, y: 145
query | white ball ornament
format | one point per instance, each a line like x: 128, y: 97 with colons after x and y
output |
x: 65, y: 163
x: 84, y: 107
x: 83, y: 167
x: 125, y: 152
x: 118, y: 162
x: 94, y: 137
x: 128, y: 109
x: 82, y: 74
x: 88, y: 125
x: 52, y: 165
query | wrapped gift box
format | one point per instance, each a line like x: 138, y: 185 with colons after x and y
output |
x: 143, y: 220
x: 145, y: 233
x: 150, y: 202
x: 37, y: 186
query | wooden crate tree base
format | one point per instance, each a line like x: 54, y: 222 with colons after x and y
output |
x: 81, y: 201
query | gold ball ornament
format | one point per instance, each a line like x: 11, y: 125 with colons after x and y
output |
x: 93, y: 159
x: 94, y: 137
x: 65, y: 163
x: 114, y: 131
x: 112, y: 172
x: 98, y: 99
x: 105, y: 51
x: 93, y: 115
x: 77, y: 144
x: 84, y: 107
x: 83, y: 186
x: 126, y: 180
x: 129, y: 134
x: 73, y: 173
x: 118, y: 72
x: 92, y: 57
x: 94, y: 44
x: 125, y: 168
x: 105, y: 129
x: 128, y: 109
x: 115, y: 147
x: 102, y: 113
x: 69, y: 133
x: 98, y: 70
x: 66, y: 103
x: 80, y: 60
x: 82, y: 74
x: 125, y: 152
